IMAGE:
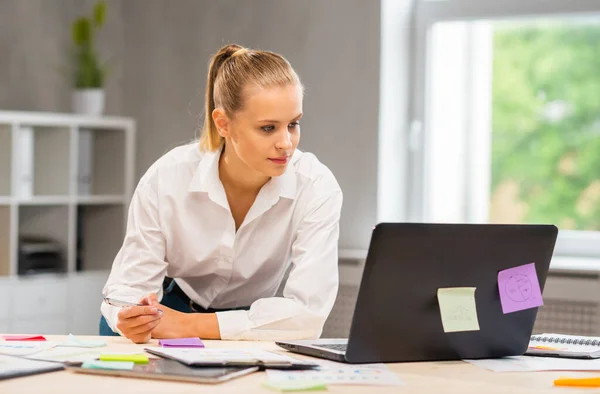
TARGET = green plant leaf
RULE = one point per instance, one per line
(87, 71)
(99, 13)
(81, 31)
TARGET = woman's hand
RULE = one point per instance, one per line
(137, 322)
(173, 324)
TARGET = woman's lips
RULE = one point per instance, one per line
(280, 160)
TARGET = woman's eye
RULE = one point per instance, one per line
(268, 128)
(293, 125)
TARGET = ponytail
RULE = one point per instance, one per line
(210, 139)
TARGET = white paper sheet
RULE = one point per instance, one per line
(337, 373)
(24, 348)
(66, 354)
(530, 364)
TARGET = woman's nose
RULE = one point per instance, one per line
(284, 142)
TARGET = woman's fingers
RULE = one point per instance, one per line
(133, 311)
(143, 325)
(138, 320)
(150, 299)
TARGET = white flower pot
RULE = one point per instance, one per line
(88, 102)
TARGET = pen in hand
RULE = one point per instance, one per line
(124, 304)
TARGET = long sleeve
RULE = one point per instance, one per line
(139, 267)
(311, 288)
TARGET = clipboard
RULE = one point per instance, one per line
(215, 357)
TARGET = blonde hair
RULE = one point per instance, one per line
(233, 69)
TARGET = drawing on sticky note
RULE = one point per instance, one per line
(461, 314)
(458, 309)
(519, 288)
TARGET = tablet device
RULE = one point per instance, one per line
(164, 369)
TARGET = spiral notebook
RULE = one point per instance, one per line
(559, 345)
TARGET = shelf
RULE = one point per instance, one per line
(64, 200)
(5, 160)
(51, 161)
(100, 233)
(101, 161)
(49, 222)
(44, 200)
(5, 240)
(64, 120)
(101, 200)
(65, 183)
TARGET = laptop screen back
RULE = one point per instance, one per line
(397, 315)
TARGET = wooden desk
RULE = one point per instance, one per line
(433, 377)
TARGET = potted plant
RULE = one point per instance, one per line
(87, 73)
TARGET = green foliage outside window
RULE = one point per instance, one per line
(546, 124)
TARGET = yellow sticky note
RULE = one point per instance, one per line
(136, 358)
(458, 309)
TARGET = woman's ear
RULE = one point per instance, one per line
(221, 121)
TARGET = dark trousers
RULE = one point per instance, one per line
(174, 298)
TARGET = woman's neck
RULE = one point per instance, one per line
(237, 177)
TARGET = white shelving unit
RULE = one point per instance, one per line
(55, 207)
(87, 222)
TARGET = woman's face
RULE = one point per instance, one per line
(265, 133)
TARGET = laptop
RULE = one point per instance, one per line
(397, 315)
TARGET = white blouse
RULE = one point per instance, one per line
(180, 225)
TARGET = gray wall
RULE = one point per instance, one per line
(160, 51)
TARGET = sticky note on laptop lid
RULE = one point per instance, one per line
(181, 342)
(458, 309)
(519, 288)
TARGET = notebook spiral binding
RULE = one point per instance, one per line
(568, 341)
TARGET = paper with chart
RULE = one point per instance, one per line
(531, 364)
(336, 373)
(519, 288)
(72, 350)
(24, 348)
(458, 309)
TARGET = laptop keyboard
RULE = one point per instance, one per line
(341, 347)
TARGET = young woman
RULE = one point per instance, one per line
(213, 228)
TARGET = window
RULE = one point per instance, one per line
(546, 123)
(511, 114)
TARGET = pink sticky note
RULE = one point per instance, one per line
(23, 338)
(519, 288)
(181, 342)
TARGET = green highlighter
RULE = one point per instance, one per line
(136, 358)
(295, 385)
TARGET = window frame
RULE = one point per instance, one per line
(427, 14)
